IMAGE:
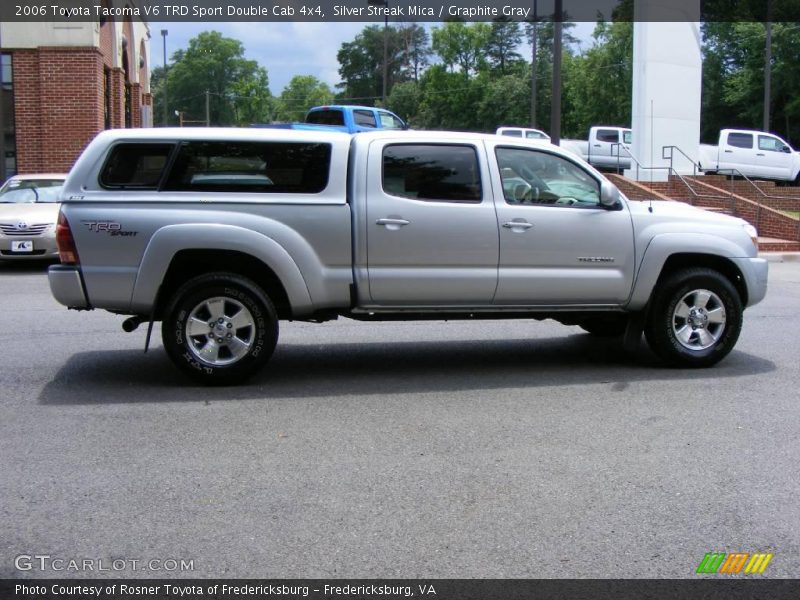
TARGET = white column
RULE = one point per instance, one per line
(667, 84)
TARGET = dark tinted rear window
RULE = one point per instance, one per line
(326, 117)
(432, 172)
(135, 166)
(271, 167)
(364, 118)
(740, 140)
(607, 135)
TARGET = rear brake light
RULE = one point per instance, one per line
(67, 251)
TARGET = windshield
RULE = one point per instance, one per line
(28, 191)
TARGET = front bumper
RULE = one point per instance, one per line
(66, 286)
(755, 272)
(42, 248)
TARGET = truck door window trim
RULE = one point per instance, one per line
(740, 140)
(525, 193)
(432, 185)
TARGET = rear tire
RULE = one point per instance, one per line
(695, 318)
(220, 328)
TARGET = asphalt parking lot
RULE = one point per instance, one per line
(469, 450)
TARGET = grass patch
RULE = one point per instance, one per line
(792, 213)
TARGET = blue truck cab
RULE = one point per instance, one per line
(354, 118)
(346, 118)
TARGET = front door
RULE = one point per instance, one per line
(558, 245)
(431, 228)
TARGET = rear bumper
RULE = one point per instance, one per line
(67, 287)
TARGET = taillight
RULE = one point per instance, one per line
(67, 251)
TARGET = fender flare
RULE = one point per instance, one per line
(665, 245)
(171, 239)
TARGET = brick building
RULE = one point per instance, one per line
(65, 82)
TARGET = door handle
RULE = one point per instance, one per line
(392, 223)
(759, 154)
(522, 225)
(729, 151)
(597, 146)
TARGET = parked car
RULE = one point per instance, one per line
(389, 225)
(607, 147)
(751, 153)
(28, 214)
(523, 132)
(344, 117)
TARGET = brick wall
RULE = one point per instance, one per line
(58, 105)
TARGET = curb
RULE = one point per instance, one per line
(779, 257)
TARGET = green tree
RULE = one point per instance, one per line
(603, 78)
(238, 88)
(504, 39)
(302, 92)
(361, 64)
(462, 45)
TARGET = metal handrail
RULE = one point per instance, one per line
(671, 153)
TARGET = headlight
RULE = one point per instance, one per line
(752, 232)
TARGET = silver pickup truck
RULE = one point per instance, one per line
(221, 233)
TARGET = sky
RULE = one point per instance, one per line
(284, 49)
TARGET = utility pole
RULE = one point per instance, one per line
(534, 42)
(768, 68)
(164, 33)
(555, 107)
(208, 109)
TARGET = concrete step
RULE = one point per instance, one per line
(768, 244)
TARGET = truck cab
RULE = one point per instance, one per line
(752, 154)
(354, 119)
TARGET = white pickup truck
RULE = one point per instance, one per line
(221, 233)
(607, 148)
(751, 153)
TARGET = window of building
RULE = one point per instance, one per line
(8, 141)
(535, 177)
(740, 140)
(263, 167)
(135, 166)
(443, 172)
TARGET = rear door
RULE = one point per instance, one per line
(737, 152)
(431, 227)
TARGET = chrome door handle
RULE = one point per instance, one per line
(390, 222)
(518, 225)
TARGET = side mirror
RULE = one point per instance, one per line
(787, 149)
(609, 195)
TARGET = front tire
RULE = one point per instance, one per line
(220, 328)
(695, 319)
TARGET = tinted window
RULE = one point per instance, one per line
(767, 142)
(432, 172)
(364, 118)
(740, 140)
(512, 133)
(326, 117)
(535, 177)
(272, 167)
(137, 166)
(627, 137)
(535, 135)
(607, 135)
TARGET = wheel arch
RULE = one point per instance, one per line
(667, 252)
(175, 254)
(189, 263)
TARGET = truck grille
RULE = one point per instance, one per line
(11, 229)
